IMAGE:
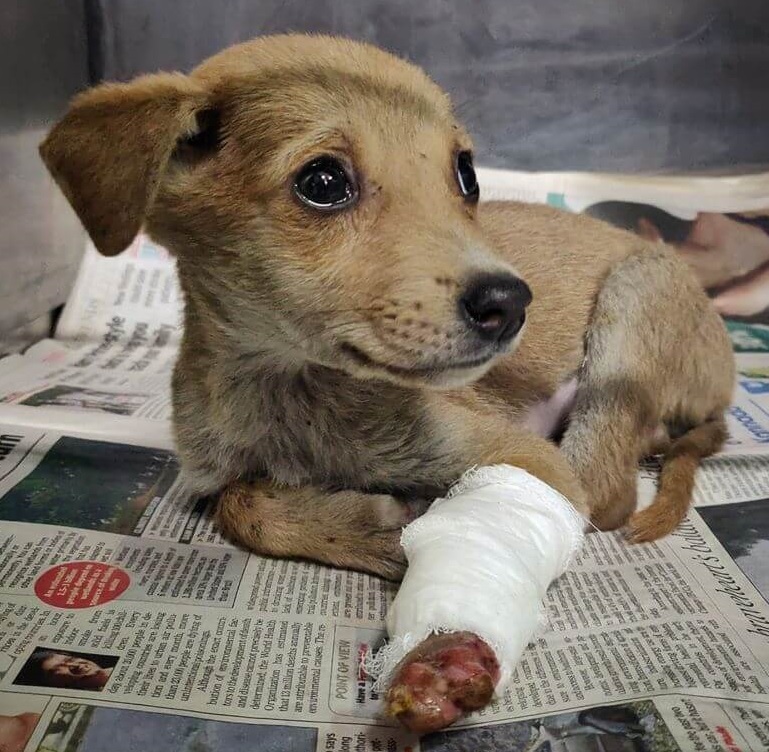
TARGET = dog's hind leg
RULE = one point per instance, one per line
(656, 355)
(603, 443)
(676, 482)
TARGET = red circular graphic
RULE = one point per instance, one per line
(81, 584)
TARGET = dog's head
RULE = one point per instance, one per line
(321, 201)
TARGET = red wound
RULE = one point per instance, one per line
(445, 677)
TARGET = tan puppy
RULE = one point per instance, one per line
(351, 312)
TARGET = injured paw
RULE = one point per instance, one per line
(446, 676)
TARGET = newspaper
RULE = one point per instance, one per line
(127, 622)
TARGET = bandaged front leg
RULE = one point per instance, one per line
(480, 562)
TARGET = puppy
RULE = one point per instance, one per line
(359, 331)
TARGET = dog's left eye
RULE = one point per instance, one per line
(324, 184)
(468, 183)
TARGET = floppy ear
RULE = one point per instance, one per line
(110, 150)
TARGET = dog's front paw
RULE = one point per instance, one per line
(381, 523)
(380, 553)
(376, 551)
(374, 545)
(347, 529)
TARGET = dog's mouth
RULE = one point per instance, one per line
(426, 371)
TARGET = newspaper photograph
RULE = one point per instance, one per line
(129, 623)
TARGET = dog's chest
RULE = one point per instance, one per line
(312, 429)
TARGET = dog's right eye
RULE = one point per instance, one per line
(324, 184)
(468, 182)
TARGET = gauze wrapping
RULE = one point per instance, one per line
(481, 560)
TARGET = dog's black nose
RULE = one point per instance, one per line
(494, 305)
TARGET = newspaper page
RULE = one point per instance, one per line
(124, 612)
(115, 344)
(127, 622)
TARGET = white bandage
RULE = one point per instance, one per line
(481, 560)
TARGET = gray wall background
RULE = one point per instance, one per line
(636, 85)
(43, 61)
(544, 84)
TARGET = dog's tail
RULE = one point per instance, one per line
(676, 483)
